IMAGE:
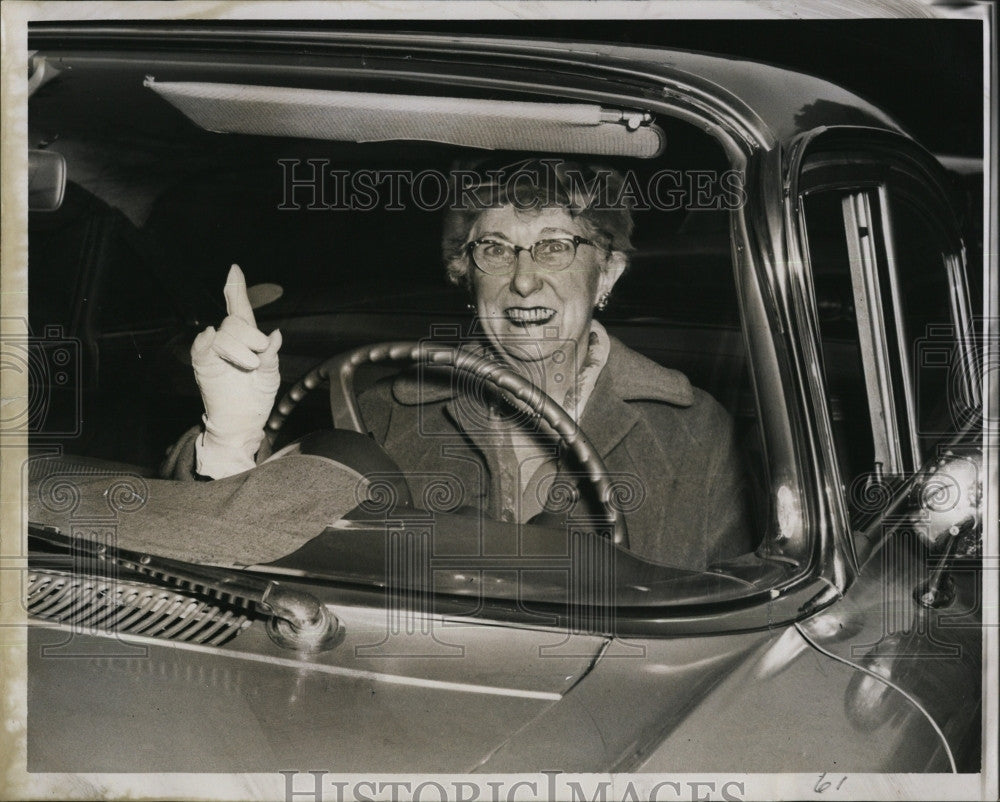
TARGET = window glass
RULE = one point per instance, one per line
(930, 333)
(886, 305)
(372, 270)
(842, 363)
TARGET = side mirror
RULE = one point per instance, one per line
(46, 180)
(948, 499)
(948, 519)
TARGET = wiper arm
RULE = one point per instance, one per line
(300, 621)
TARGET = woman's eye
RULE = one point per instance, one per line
(553, 247)
(495, 250)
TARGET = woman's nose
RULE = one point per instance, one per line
(525, 279)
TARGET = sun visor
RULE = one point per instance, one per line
(374, 117)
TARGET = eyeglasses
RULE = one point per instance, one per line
(552, 255)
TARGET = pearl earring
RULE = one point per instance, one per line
(602, 302)
(471, 307)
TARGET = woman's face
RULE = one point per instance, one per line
(534, 315)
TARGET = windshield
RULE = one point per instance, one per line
(626, 264)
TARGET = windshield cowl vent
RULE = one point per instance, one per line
(116, 606)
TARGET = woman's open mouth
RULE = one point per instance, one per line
(529, 315)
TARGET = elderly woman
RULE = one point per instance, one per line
(537, 257)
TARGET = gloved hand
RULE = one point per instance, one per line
(236, 369)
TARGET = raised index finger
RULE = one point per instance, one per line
(237, 302)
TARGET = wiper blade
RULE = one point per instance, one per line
(300, 620)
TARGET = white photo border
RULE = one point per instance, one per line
(16, 783)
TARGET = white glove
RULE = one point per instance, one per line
(236, 369)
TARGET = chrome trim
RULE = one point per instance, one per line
(888, 238)
(833, 489)
(966, 335)
(917, 162)
(806, 453)
(872, 335)
(763, 293)
(323, 668)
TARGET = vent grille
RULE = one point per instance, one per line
(124, 606)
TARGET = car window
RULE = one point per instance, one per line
(94, 270)
(931, 296)
(886, 296)
(844, 367)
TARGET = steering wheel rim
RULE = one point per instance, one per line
(339, 371)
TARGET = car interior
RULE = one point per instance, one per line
(171, 182)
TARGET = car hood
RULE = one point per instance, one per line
(395, 694)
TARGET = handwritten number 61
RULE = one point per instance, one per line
(822, 785)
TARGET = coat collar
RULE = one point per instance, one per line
(629, 377)
(608, 417)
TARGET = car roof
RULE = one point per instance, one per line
(786, 102)
(774, 103)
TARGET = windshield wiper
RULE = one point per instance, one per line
(299, 620)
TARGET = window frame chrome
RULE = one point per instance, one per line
(871, 160)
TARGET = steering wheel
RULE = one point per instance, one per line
(339, 371)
